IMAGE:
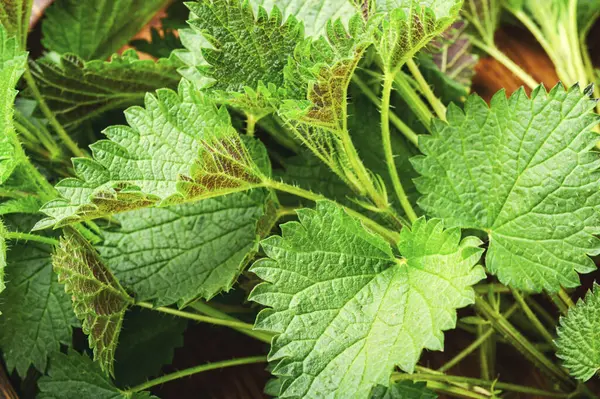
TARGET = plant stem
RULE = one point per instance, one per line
(195, 370)
(390, 235)
(396, 121)
(543, 313)
(562, 294)
(458, 392)
(433, 100)
(408, 93)
(60, 130)
(560, 304)
(495, 288)
(250, 125)
(477, 381)
(493, 51)
(388, 80)
(533, 318)
(212, 312)
(14, 235)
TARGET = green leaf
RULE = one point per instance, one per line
(147, 343)
(76, 376)
(588, 12)
(407, 26)
(578, 341)
(12, 66)
(77, 91)
(180, 148)
(3, 249)
(96, 29)
(347, 311)
(37, 314)
(522, 172)
(403, 390)
(14, 16)
(99, 300)
(184, 252)
(315, 14)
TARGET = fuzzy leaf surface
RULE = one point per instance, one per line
(77, 376)
(520, 170)
(578, 341)
(96, 29)
(180, 148)
(179, 253)
(76, 90)
(346, 311)
(99, 301)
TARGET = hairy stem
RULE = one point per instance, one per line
(433, 100)
(195, 370)
(14, 235)
(412, 98)
(388, 80)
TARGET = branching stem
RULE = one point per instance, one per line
(14, 235)
(433, 100)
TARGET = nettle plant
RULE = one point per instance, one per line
(324, 159)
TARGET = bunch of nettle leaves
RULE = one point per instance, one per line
(323, 157)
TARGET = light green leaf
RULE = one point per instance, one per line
(37, 317)
(76, 376)
(184, 252)
(14, 15)
(407, 26)
(578, 341)
(77, 91)
(347, 311)
(315, 14)
(96, 29)
(180, 148)
(12, 66)
(403, 390)
(522, 172)
(99, 300)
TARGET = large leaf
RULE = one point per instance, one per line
(183, 252)
(12, 66)
(37, 315)
(76, 376)
(346, 311)
(522, 172)
(14, 16)
(578, 341)
(95, 29)
(77, 91)
(99, 301)
(180, 148)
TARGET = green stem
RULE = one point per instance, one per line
(495, 288)
(412, 98)
(575, 46)
(493, 51)
(388, 81)
(539, 309)
(458, 392)
(60, 130)
(13, 235)
(560, 304)
(195, 370)
(476, 381)
(212, 312)
(562, 294)
(250, 125)
(396, 121)
(433, 100)
(533, 318)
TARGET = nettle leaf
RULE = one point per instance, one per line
(403, 390)
(522, 171)
(244, 55)
(578, 341)
(99, 301)
(184, 252)
(588, 12)
(96, 29)
(75, 375)
(347, 311)
(37, 317)
(180, 148)
(12, 65)
(315, 14)
(407, 26)
(76, 90)
(14, 16)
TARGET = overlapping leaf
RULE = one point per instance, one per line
(180, 148)
(578, 341)
(347, 311)
(521, 171)
(99, 301)
(94, 30)
(77, 91)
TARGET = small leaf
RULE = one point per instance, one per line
(99, 301)
(77, 91)
(347, 311)
(403, 390)
(522, 172)
(578, 341)
(76, 376)
(96, 29)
